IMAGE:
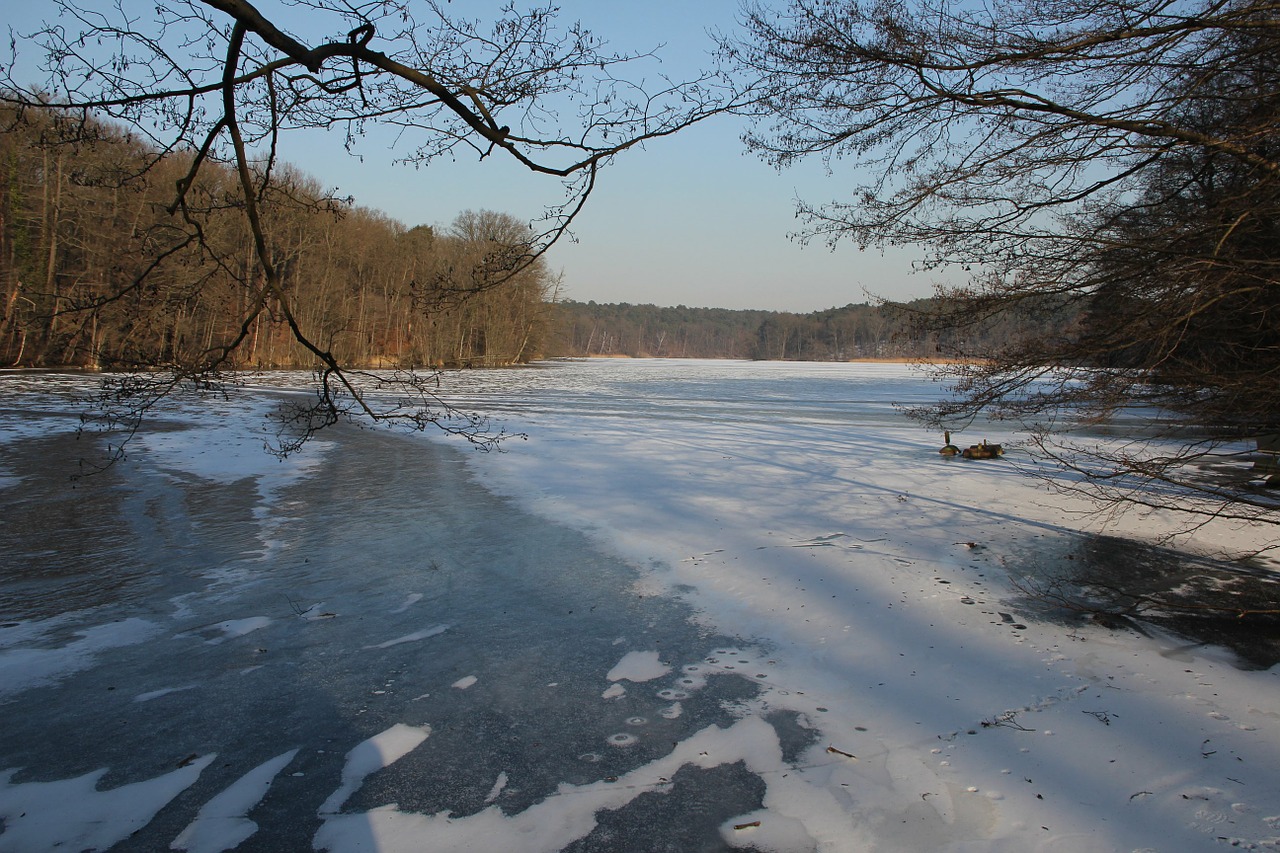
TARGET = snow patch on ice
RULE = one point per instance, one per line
(223, 823)
(73, 814)
(231, 448)
(24, 668)
(496, 790)
(411, 638)
(227, 451)
(637, 667)
(164, 691)
(465, 682)
(766, 831)
(20, 430)
(410, 600)
(182, 609)
(233, 628)
(614, 691)
(369, 756)
(801, 811)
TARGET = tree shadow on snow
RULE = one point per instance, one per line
(1121, 583)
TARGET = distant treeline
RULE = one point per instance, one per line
(98, 268)
(836, 334)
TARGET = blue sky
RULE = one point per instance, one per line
(691, 219)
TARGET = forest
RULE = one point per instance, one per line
(99, 269)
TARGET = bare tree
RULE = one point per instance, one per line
(1110, 171)
(222, 82)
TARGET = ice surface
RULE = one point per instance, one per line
(727, 604)
(791, 502)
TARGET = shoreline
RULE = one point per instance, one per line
(862, 360)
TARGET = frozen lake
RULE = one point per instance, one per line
(704, 606)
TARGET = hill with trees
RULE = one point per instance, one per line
(94, 272)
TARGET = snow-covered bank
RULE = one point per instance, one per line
(788, 626)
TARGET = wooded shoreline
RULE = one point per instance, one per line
(99, 271)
